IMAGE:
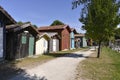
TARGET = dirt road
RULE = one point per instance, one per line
(62, 68)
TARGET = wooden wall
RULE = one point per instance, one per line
(65, 40)
(16, 47)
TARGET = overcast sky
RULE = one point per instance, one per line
(43, 12)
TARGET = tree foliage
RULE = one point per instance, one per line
(100, 18)
(57, 22)
(20, 22)
(35, 26)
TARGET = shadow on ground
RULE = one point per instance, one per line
(57, 54)
(74, 55)
(71, 55)
(25, 76)
(8, 71)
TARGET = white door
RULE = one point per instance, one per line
(45, 46)
(54, 44)
(1, 42)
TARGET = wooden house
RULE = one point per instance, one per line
(42, 44)
(64, 33)
(80, 40)
(72, 38)
(47, 43)
(20, 40)
(54, 42)
(5, 19)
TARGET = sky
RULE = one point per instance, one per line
(43, 12)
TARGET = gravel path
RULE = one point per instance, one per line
(62, 68)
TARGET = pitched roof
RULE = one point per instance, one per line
(5, 13)
(51, 34)
(44, 35)
(52, 27)
(79, 35)
(17, 27)
(12, 26)
(74, 30)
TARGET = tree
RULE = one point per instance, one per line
(100, 19)
(35, 26)
(20, 22)
(57, 22)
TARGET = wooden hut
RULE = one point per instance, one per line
(5, 19)
(72, 38)
(42, 44)
(54, 42)
(20, 40)
(80, 40)
(63, 31)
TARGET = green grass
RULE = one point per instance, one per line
(107, 67)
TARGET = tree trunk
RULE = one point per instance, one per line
(99, 49)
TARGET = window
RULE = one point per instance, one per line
(24, 40)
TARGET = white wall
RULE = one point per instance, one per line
(1, 42)
(41, 46)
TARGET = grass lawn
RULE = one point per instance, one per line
(107, 67)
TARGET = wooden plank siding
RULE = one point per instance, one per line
(65, 40)
(15, 48)
(64, 33)
(18, 38)
(5, 19)
(80, 40)
(51, 44)
(72, 38)
(42, 44)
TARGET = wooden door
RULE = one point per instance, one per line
(31, 46)
(23, 46)
(54, 45)
(72, 43)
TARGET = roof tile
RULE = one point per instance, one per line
(52, 27)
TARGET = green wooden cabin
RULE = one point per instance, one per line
(80, 40)
(20, 40)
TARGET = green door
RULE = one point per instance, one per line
(31, 46)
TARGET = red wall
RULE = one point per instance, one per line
(65, 39)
